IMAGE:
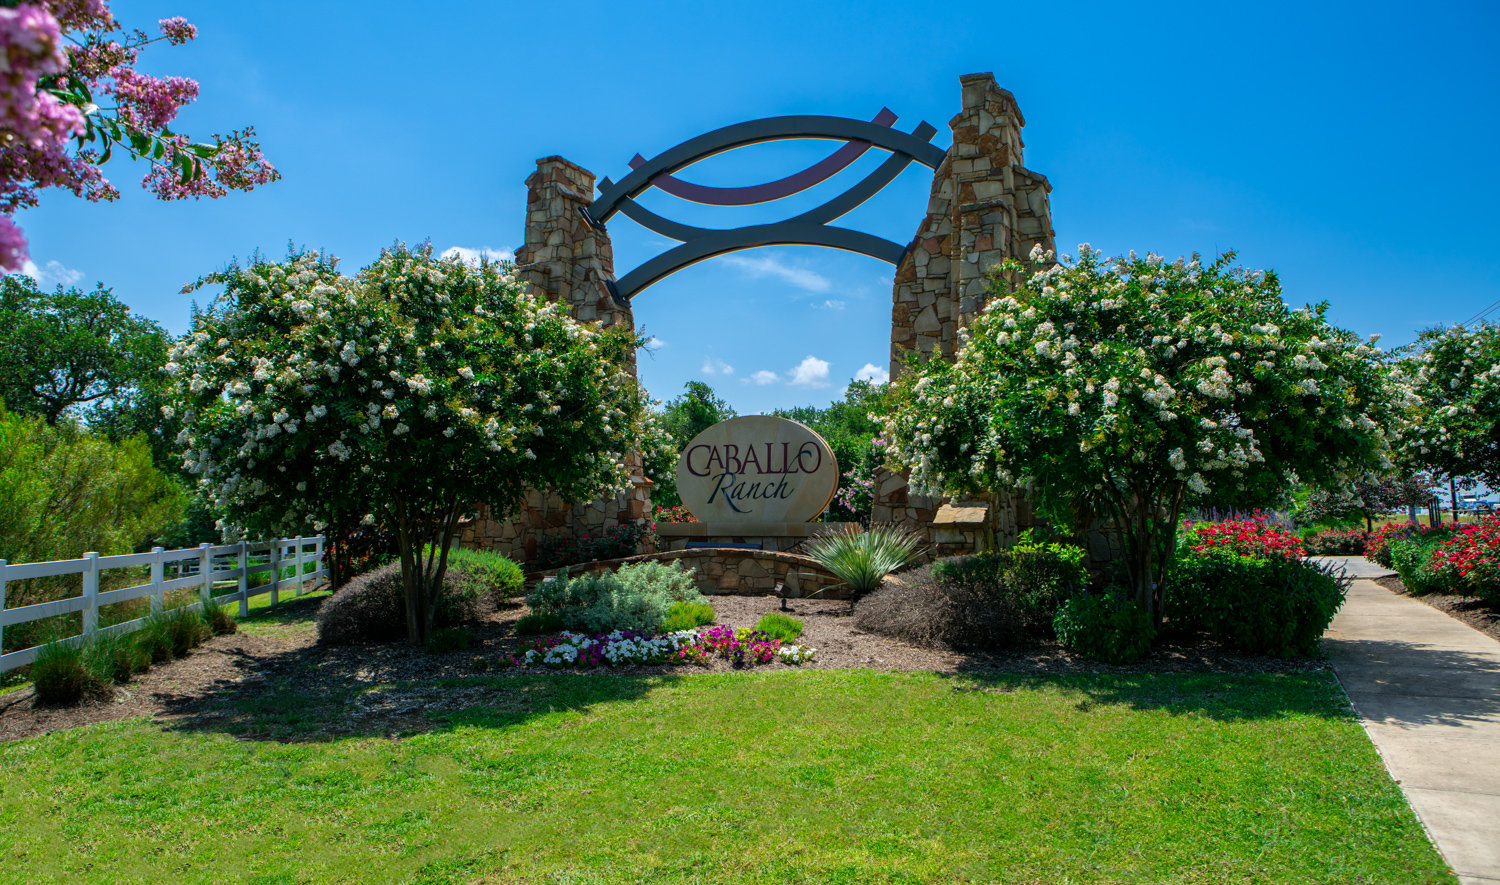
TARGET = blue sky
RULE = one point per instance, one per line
(1351, 147)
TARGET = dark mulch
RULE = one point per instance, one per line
(1470, 609)
(392, 689)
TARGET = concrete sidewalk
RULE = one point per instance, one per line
(1427, 690)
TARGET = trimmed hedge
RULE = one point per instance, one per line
(1257, 605)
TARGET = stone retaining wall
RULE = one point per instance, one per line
(727, 570)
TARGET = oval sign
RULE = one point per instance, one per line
(758, 468)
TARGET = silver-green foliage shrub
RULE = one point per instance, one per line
(635, 598)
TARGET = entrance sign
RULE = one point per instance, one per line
(757, 469)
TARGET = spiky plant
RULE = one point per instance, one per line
(861, 558)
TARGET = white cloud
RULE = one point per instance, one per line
(772, 265)
(653, 344)
(51, 276)
(872, 372)
(763, 377)
(472, 256)
(811, 372)
(714, 366)
(832, 304)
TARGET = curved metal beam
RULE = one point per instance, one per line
(796, 183)
(785, 233)
(756, 132)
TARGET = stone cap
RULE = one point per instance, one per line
(985, 82)
(950, 515)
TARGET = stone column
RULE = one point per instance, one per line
(984, 207)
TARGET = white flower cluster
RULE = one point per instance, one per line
(795, 654)
(616, 648)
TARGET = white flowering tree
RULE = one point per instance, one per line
(404, 396)
(1455, 373)
(1132, 388)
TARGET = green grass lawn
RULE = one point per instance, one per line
(816, 776)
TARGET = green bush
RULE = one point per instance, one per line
(503, 576)
(1272, 605)
(372, 607)
(449, 639)
(687, 616)
(220, 622)
(1036, 576)
(635, 598)
(1412, 560)
(537, 623)
(60, 675)
(155, 638)
(861, 558)
(779, 626)
(1106, 626)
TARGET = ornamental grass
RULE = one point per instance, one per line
(861, 558)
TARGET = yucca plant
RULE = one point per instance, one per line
(861, 558)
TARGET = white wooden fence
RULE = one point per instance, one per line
(197, 567)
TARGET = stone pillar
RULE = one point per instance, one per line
(566, 259)
(984, 207)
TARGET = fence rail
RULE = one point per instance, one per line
(201, 567)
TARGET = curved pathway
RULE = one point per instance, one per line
(1427, 690)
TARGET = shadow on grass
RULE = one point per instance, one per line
(1404, 683)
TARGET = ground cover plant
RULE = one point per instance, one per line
(789, 777)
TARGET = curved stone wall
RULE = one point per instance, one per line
(732, 570)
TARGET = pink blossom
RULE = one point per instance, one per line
(150, 102)
(13, 253)
(177, 30)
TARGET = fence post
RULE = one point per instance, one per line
(299, 566)
(275, 571)
(243, 559)
(205, 574)
(90, 594)
(2, 606)
(318, 562)
(157, 576)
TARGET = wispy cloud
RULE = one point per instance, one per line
(872, 372)
(714, 366)
(472, 255)
(52, 274)
(832, 304)
(811, 372)
(772, 265)
(763, 377)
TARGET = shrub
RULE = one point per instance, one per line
(614, 542)
(634, 599)
(1255, 536)
(1258, 605)
(687, 616)
(113, 657)
(155, 638)
(537, 623)
(1106, 626)
(1378, 547)
(988, 600)
(501, 573)
(220, 622)
(1412, 560)
(779, 626)
(1469, 561)
(372, 607)
(449, 639)
(1337, 542)
(861, 558)
(60, 676)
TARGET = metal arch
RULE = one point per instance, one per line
(755, 132)
(837, 207)
(782, 233)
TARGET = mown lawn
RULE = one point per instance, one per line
(817, 776)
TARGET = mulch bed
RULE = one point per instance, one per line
(392, 689)
(1471, 610)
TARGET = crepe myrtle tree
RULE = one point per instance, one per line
(1455, 373)
(403, 396)
(1132, 388)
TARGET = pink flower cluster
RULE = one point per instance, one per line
(1250, 537)
(32, 45)
(177, 29)
(148, 102)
